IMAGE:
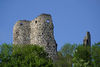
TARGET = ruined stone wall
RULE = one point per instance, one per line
(42, 33)
(38, 31)
(21, 32)
(87, 39)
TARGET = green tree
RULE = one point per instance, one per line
(96, 54)
(65, 55)
(67, 52)
(82, 57)
(61, 61)
(5, 53)
(27, 56)
(68, 49)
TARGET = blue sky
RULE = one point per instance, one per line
(71, 18)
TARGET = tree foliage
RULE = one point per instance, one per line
(24, 56)
(65, 55)
(87, 56)
(61, 61)
(82, 57)
(68, 49)
(96, 54)
(35, 56)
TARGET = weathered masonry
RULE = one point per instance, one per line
(38, 31)
(87, 39)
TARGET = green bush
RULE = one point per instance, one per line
(82, 57)
(24, 56)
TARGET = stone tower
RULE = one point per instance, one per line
(38, 31)
(87, 39)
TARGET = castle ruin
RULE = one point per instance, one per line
(38, 31)
(87, 39)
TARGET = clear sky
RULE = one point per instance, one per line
(71, 18)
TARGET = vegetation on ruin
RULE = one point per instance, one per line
(35, 56)
(72, 55)
(24, 56)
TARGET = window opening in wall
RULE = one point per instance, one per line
(35, 21)
(42, 33)
(21, 24)
(47, 20)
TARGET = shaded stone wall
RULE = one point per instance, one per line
(87, 39)
(38, 31)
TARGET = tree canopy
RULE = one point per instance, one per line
(24, 56)
(35, 56)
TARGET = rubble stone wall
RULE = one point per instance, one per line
(87, 39)
(38, 31)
